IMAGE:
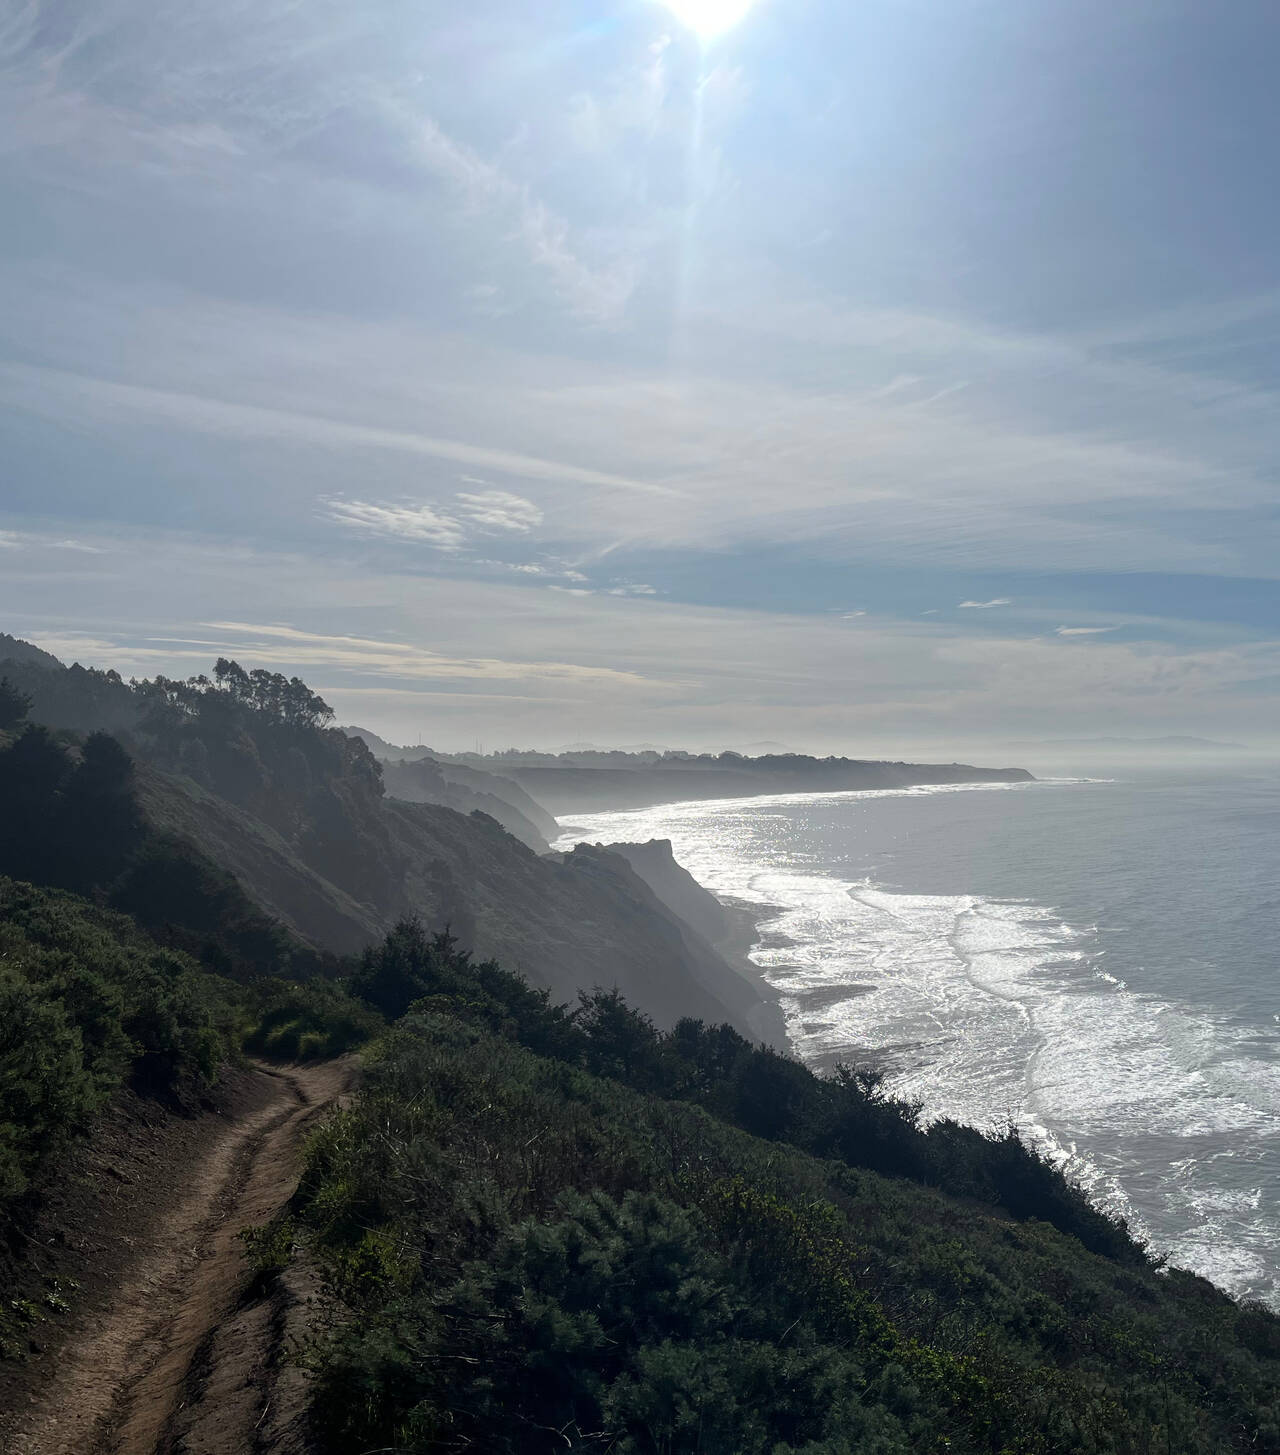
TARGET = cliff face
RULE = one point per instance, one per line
(567, 922)
(297, 814)
(720, 971)
(418, 775)
(655, 863)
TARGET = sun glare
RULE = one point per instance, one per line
(709, 18)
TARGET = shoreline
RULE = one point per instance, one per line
(1122, 1141)
(766, 1020)
(769, 1021)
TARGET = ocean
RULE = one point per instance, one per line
(1098, 959)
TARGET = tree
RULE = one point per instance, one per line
(622, 1043)
(14, 706)
(102, 822)
(402, 969)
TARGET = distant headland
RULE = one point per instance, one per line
(596, 780)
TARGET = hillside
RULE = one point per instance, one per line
(13, 649)
(244, 767)
(532, 1231)
(590, 1237)
(587, 779)
(626, 1226)
(424, 780)
(421, 775)
(90, 1003)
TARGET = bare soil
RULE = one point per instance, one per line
(171, 1352)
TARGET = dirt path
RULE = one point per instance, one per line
(178, 1361)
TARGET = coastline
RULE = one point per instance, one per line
(742, 919)
(769, 1022)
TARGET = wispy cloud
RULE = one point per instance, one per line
(1082, 631)
(598, 294)
(545, 568)
(55, 392)
(499, 510)
(401, 658)
(15, 540)
(280, 644)
(448, 527)
(403, 522)
(986, 605)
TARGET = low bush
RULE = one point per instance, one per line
(311, 1021)
(88, 1003)
(848, 1115)
(527, 1257)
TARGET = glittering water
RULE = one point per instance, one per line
(1096, 958)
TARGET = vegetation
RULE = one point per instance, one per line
(122, 968)
(570, 1247)
(311, 1021)
(89, 1003)
(541, 1228)
(256, 738)
(73, 820)
(848, 1116)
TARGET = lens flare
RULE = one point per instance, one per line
(709, 18)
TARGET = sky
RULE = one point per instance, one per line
(862, 375)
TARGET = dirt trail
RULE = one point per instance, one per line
(179, 1362)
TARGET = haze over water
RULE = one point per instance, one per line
(1096, 958)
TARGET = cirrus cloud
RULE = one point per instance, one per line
(446, 527)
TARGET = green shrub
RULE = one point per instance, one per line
(314, 1021)
(268, 1247)
(88, 1003)
(47, 1091)
(526, 1257)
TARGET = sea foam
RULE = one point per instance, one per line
(992, 1009)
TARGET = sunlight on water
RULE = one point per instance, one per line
(991, 1007)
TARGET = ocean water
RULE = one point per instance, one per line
(1097, 958)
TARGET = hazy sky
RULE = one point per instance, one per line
(870, 372)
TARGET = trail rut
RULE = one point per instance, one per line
(179, 1361)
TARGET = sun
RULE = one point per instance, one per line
(709, 18)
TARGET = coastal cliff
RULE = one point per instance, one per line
(569, 1152)
(298, 815)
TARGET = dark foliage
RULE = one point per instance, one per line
(410, 965)
(848, 1116)
(313, 1020)
(14, 705)
(88, 1003)
(72, 820)
(530, 1258)
(256, 738)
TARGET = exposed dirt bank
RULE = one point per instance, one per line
(171, 1356)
